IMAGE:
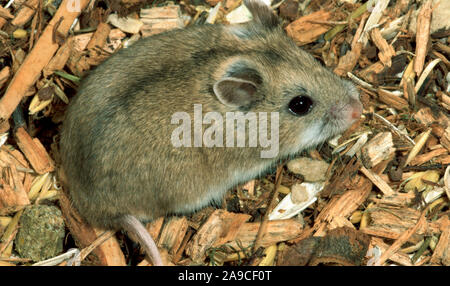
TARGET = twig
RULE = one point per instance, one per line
(185, 241)
(358, 12)
(328, 22)
(15, 259)
(33, 28)
(102, 238)
(395, 129)
(401, 240)
(361, 82)
(69, 255)
(377, 181)
(424, 167)
(5, 244)
(274, 195)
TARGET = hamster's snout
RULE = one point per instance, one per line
(356, 109)
(348, 112)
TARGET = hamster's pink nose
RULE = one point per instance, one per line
(349, 112)
(356, 109)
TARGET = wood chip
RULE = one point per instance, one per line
(371, 72)
(386, 50)
(4, 13)
(427, 157)
(391, 222)
(221, 227)
(276, 231)
(25, 13)
(4, 75)
(173, 233)
(442, 251)
(12, 191)
(444, 160)
(409, 92)
(341, 206)
(154, 227)
(377, 181)
(348, 61)
(304, 30)
(428, 117)
(422, 35)
(445, 139)
(398, 257)
(396, 199)
(34, 152)
(392, 100)
(377, 149)
(126, 24)
(400, 241)
(60, 59)
(98, 39)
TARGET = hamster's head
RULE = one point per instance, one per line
(272, 74)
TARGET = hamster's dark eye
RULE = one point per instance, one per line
(300, 105)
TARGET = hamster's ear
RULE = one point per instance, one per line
(262, 13)
(238, 83)
(235, 92)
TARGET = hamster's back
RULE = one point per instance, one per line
(112, 133)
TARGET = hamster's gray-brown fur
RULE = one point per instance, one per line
(116, 140)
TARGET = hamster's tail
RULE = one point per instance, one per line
(132, 225)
